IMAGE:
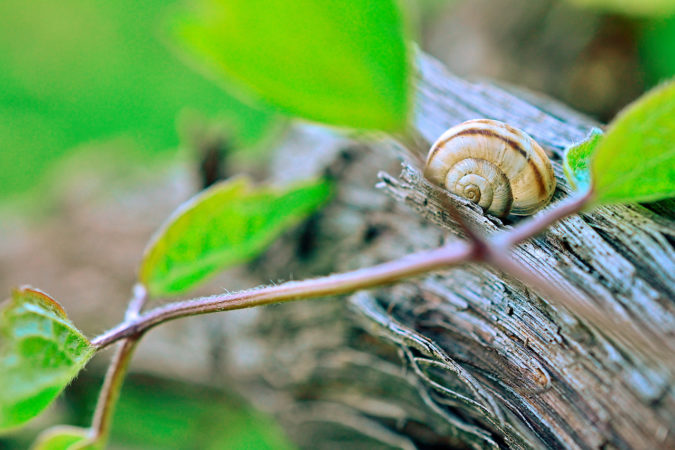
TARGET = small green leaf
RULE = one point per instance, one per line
(342, 63)
(224, 225)
(635, 160)
(40, 353)
(577, 161)
(61, 437)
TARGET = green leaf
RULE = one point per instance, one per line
(227, 224)
(61, 437)
(577, 161)
(342, 63)
(40, 353)
(641, 8)
(635, 160)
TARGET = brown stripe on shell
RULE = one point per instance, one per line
(478, 131)
(491, 122)
(541, 187)
(513, 130)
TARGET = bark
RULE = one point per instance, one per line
(469, 357)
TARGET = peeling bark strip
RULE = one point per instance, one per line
(467, 358)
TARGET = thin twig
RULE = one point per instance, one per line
(107, 400)
(114, 377)
(478, 249)
(540, 222)
(140, 295)
(342, 283)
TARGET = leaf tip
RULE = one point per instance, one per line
(28, 293)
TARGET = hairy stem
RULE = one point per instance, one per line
(112, 385)
(342, 283)
(412, 265)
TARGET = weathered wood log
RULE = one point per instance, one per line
(469, 357)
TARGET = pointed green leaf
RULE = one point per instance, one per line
(635, 160)
(61, 437)
(40, 353)
(342, 63)
(577, 161)
(224, 225)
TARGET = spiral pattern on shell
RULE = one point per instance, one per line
(490, 163)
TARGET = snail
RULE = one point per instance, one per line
(490, 163)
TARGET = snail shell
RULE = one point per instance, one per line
(490, 163)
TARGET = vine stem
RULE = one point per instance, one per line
(477, 250)
(341, 283)
(114, 377)
(542, 221)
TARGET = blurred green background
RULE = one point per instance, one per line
(81, 78)
(77, 72)
(157, 414)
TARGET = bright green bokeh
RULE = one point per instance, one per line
(336, 62)
(160, 414)
(183, 416)
(639, 8)
(657, 49)
(227, 224)
(40, 353)
(73, 71)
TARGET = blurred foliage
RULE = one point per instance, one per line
(341, 63)
(76, 71)
(657, 49)
(158, 414)
(646, 8)
(186, 417)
